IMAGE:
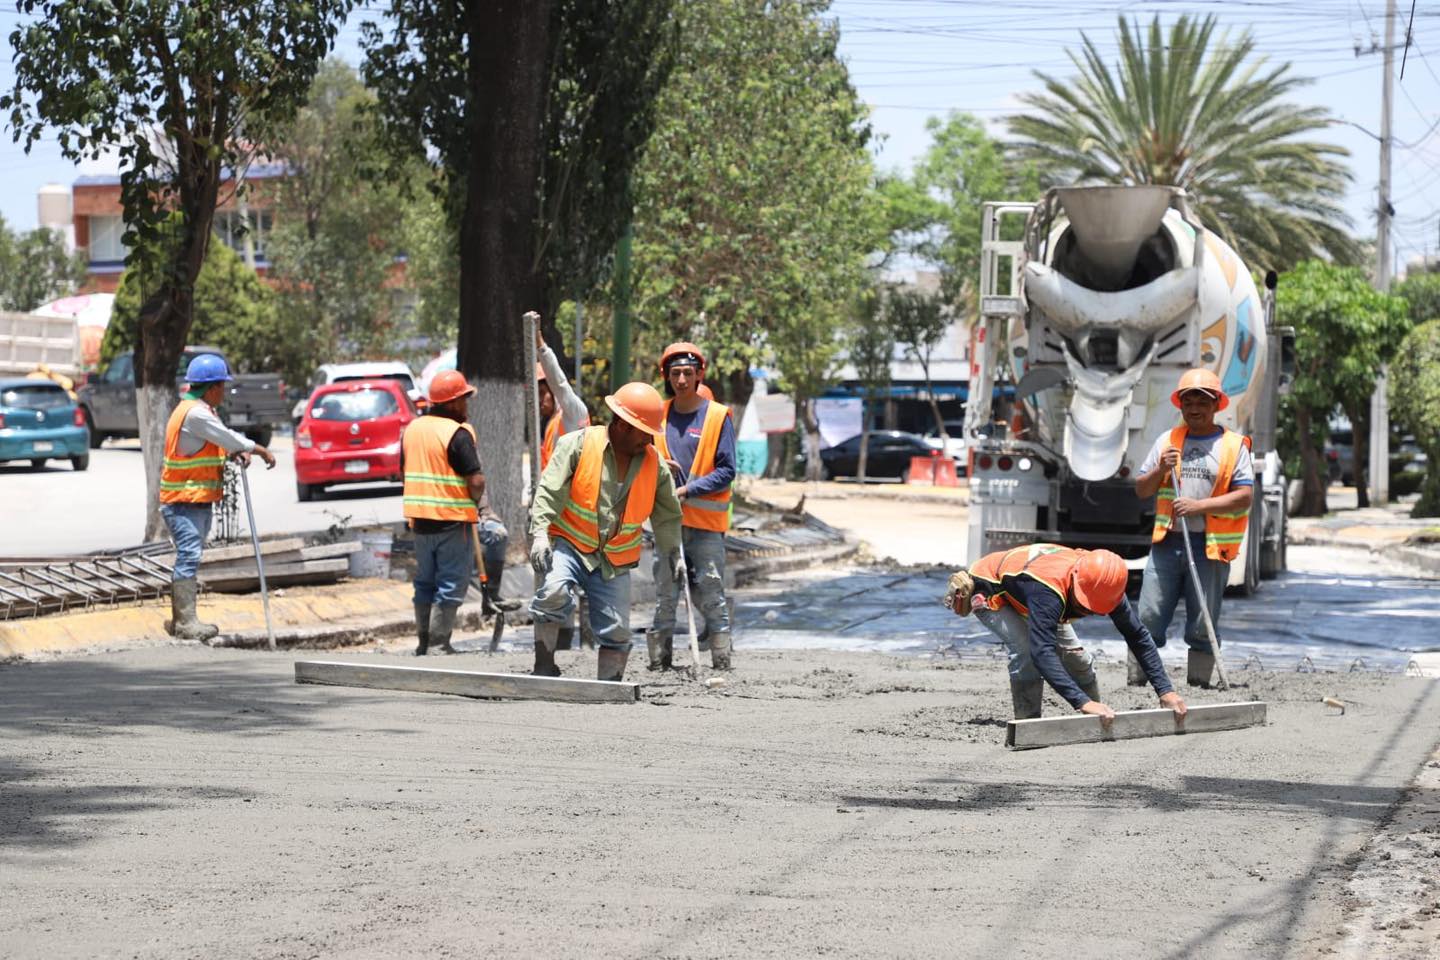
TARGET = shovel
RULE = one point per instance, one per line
(1223, 683)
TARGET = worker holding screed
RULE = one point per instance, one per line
(1213, 505)
(192, 478)
(600, 487)
(1028, 596)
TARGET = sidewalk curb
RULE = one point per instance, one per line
(1419, 557)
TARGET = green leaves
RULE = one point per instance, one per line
(1415, 399)
(35, 268)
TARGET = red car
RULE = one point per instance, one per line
(350, 433)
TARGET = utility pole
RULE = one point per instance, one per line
(1379, 401)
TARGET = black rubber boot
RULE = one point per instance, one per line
(1026, 698)
(611, 664)
(545, 637)
(494, 603)
(720, 650)
(442, 625)
(1198, 668)
(422, 628)
(1134, 673)
(184, 624)
(661, 648)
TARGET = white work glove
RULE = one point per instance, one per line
(541, 554)
(677, 566)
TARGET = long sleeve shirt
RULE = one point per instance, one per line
(202, 425)
(1047, 611)
(573, 412)
(554, 490)
(682, 436)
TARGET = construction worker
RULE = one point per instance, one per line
(602, 484)
(191, 479)
(697, 441)
(444, 493)
(1028, 596)
(1216, 486)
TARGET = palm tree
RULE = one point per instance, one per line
(1199, 112)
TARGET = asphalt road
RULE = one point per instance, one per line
(56, 510)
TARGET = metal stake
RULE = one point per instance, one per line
(259, 562)
(1224, 684)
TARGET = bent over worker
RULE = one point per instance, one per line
(444, 490)
(697, 441)
(1213, 508)
(191, 479)
(601, 486)
(1028, 597)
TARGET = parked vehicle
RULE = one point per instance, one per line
(39, 422)
(377, 370)
(27, 340)
(955, 449)
(349, 432)
(889, 455)
(254, 402)
(1342, 466)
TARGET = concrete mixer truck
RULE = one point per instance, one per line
(1093, 302)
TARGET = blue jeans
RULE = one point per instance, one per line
(494, 539)
(609, 599)
(1167, 579)
(444, 562)
(1014, 631)
(705, 555)
(189, 525)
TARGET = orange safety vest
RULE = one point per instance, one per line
(433, 490)
(706, 511)
(553, 431)
(578, 521)
(1046, 563)
(1224, 532)
(193, 479)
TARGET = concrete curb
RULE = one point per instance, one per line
(1423, 558)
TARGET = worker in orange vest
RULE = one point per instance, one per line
(191, 479)
(1029, 595)
(600, 487)
(697, 441)
(444, 494)
(1217, 483)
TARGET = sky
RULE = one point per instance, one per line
(914, 59)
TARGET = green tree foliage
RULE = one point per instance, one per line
(35, 268)
(1343, 327)
(1421, 291)
(1415, 398)
(234, 310)
(1199, 111)
(755, 202)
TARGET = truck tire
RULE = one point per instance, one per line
(1272, 555)
(260, 435)
(1253, 548)
(96, 437)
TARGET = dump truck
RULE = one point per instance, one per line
(1092, 303)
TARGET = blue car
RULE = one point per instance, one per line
(39, 422)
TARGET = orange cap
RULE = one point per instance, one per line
(639, 405)
(704, 392)
(1204, 381)
(679, 350)
(1099, 580)
(449, 385)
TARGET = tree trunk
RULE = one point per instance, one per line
(1359, 415)
(812, 441)
(1312, 466)
(864, 441)
(934, 405)
(508, 74)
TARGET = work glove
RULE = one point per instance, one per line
(677, 566)
(541, 554)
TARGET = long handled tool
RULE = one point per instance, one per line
(484, 584)
(532, 400)
(259, 561)
(1223, 684)
(690, 615)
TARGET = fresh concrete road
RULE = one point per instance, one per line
(56, 510)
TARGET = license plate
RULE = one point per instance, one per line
(42, 446)
(357, 466)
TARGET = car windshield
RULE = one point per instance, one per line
(401, 378)
(41, 396)
(351, 406)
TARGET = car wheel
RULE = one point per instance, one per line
(96, 437)
(38, 464)
(260, 435)
(303, 491)
(81, 462)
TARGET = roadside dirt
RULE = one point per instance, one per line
(180, 802)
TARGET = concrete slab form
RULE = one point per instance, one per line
(1131, 725)
(464, 683)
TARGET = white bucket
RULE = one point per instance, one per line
(373, 557)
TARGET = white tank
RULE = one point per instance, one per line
(56, 211)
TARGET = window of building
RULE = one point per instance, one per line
(105, 234)
(231, 228)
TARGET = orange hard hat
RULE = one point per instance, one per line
(639, 405)
(1206, 382)
(682, 350)
(1099, 580)
(704, 392)
(449, 385)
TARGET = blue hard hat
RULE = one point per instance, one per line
(207, 368)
